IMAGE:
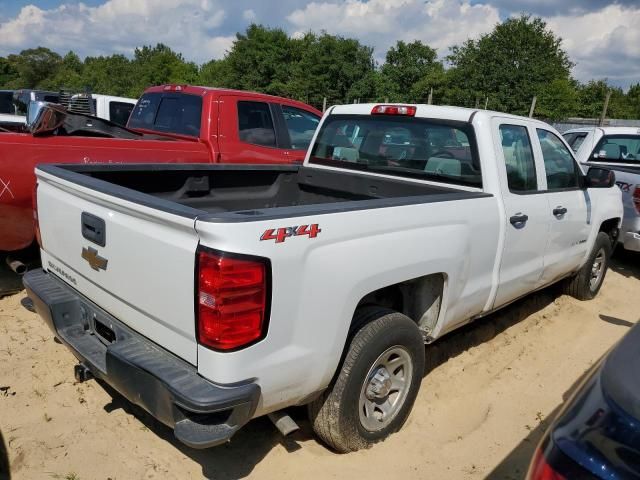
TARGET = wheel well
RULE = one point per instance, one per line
(610, 227)
(420, 299)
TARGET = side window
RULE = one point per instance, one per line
(560, 168)
(255, 124)
(119, 112)
(619, 148)
(301, 126)
(518, 158)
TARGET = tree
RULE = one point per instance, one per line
(405, 65)
(111, 75)
(511, 64)
(557, 100)
(158, 65)
(34, 67)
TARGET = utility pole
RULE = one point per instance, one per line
(486, 102)
(324, 104)
(604, 109)
(533, 106)
(430, 99)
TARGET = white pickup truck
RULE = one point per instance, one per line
(213, 294)
(617, 148)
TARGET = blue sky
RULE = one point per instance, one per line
(602, 37)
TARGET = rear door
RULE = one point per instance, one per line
(567, 207)
(527, 220)
(249, 132)
(134, 261)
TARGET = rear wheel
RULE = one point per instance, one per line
(586, 283)
(377, 384)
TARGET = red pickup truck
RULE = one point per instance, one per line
(170, 123)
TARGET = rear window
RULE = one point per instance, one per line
(575, 139)
(168, 113)
(119, 112)
(618, 148)
(436, 150)
(6, 102)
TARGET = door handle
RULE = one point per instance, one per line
(559, 211)
(518, 220)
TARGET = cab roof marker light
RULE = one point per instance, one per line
(404, 110)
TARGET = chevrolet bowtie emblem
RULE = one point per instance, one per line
(96, 261)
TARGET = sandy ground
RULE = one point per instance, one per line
(490, 391)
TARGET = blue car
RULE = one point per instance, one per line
(597, 433)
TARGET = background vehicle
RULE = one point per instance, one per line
(176, 124)
(115, 109)
(210, 295)
(617, 148)
(595, 435)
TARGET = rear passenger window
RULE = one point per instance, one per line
(560, 168)
(255, 124)
(619, 148)
(518, 158)
(575, 140)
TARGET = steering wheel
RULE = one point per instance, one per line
(442, 154)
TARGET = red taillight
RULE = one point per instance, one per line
(541, 470)
(232, 300)
(36, 223)
(406, 110)
(636, 199)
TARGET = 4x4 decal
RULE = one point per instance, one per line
(281, 234)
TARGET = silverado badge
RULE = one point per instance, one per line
(96, 261)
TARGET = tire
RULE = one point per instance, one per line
(586, 283)
(382, 370)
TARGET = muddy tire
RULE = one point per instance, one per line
(586, 283)
(377, 384)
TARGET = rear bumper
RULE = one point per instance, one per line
(202, 414)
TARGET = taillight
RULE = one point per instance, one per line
(541, 470)
(636, 199)
(232, 300)
(406, 110)
(36, 223)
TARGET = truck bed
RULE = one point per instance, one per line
(251, 192)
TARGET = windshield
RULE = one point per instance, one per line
(404, 146)
(168, 113)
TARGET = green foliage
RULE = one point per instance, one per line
(511, 64)
(505, 68)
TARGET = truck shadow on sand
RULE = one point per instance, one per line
(238, 458)
(626, 263)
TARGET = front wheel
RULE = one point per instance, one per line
(586, 283)
(377, 385)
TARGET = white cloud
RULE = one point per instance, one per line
(188, 26)
(249, 15)
(380, 23)
(603, 43)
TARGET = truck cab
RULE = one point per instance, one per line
(617, 148)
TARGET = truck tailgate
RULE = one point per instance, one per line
(141, 270)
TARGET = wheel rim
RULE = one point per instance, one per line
(385, 388)
(597, 270)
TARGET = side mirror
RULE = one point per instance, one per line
(33, 110)
(600, 178)
(44, 117)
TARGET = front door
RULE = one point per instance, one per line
(567, 208)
